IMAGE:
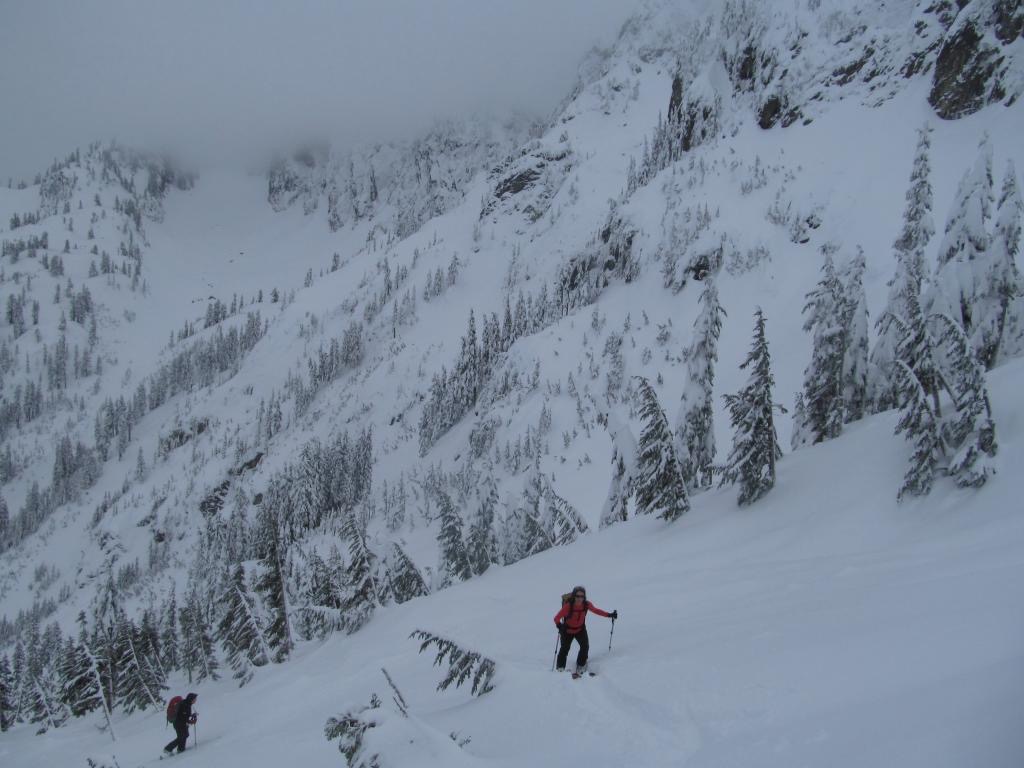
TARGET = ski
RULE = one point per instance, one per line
(169, 756)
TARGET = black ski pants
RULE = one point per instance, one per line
(180, 740)
(581, 657)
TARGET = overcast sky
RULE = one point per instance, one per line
(212, 76)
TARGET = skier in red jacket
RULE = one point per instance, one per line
(571, 623)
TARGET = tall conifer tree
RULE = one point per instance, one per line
(363, 594)
(240, 630)
(964, 250)
(481, 544)
(854, 379)
(755, 444)
(695, 429)
(909, 248)
(972, 431)
(659, 480)
(824, 411)
(455, 564)
(273, 589)
(999, 315)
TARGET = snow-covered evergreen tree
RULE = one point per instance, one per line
(695, 430)
(659, 481)
(103, 646)
(999, 314)
(140, 467)
(195, 648)
(273, 589)
(169, 635)
(523, 532)
(918, 420)
(918, 229)
(5, 517)
(307, 488)
(20, 675)
(45, 707)
(824, 410)
(65, 671)
(467, 368)
(755, 443)
(236, 545)
(149, 637)
(6, 694)
(455, 565)
(615, 366)
(854, 378)
(964, 251)
(79, 687)
(481, 543)
(361, 468)
(971, 433)
(918, 398)
(562, 522)
(323, 595)
(240, 630)
(917, 351)
(142, 680)
(362, 594)
(88, 680)
(406, 580)
(799, 435)
(623, 471)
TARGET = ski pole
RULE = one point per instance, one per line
(555, 657)
(610, 635)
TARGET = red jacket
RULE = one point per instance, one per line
(575, 618)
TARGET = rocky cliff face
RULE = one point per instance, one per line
(786, 66)
(976, 64)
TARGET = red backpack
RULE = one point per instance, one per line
(172, 708)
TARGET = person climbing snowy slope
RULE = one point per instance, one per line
(183, 716)
(571, 623)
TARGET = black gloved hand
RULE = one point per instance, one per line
(193, 719)
(614, 615)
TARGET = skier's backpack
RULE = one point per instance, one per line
(172, 708)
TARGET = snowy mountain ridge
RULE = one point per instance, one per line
(394, 370)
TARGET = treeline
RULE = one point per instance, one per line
(77, 466)
(327, 365)
(268, 591)
(453, 393)
(201, 363)
(75, 469)
(114, 663)
(939, 332)
(35, 243)
(24, 220)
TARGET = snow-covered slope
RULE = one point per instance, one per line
(827, 625)
(250, 321)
